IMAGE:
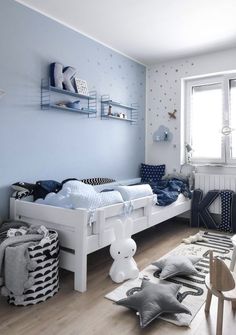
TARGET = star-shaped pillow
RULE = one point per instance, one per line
(154, 300)
(177, 265)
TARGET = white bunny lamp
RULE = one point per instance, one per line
(122, 251)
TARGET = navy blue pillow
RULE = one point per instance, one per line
(152, 173)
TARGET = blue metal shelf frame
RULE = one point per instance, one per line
(89, 107)
(132, 110)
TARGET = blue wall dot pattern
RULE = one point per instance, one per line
(70, 149)
(226, 199)
(152, 173)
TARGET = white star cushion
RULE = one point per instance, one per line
(177, 265)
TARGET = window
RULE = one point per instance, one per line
(210, 119)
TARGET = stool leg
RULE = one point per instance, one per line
(220, 311)
(233, 260)
(208, 301)
(234, 305)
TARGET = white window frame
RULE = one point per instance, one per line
(187, 87)
(229, 160)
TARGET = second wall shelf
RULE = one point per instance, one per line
(112, 110)
(117, 118)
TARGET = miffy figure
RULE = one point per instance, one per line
(122, 251)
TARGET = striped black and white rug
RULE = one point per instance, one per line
(193, 291)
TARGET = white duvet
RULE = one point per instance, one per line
(76, 194)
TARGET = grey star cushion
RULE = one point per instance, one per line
(154, 300)
(177, 265)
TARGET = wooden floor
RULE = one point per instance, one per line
(70, 312)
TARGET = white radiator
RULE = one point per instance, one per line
(207, 182)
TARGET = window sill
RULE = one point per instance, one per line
(220, 165)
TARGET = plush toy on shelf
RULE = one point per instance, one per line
(110, 111)
(122, 251)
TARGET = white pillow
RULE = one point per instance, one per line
(65, 191)
(78, 187)
(110, 198)
(87, 200)
(50, 198)
(55, 199)
(95, 200)
(134, 192)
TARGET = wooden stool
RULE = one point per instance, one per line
(233, 260)
(220, 282)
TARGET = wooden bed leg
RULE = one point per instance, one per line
(147, 212)
(101, 224)
(80, 274)
(234, 305)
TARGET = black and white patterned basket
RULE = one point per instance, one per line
(45, 274)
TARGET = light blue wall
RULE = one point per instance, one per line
(36, 144)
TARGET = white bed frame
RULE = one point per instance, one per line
(72, 226)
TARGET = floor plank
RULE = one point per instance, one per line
(72, 313)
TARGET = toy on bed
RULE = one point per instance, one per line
(195, 238)
(22, 189)
(122, 251)
(38, 190)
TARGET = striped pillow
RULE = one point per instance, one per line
(97, 181)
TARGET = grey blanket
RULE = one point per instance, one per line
(15, 262)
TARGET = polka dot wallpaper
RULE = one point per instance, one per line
(164, 101)
(163, 109)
